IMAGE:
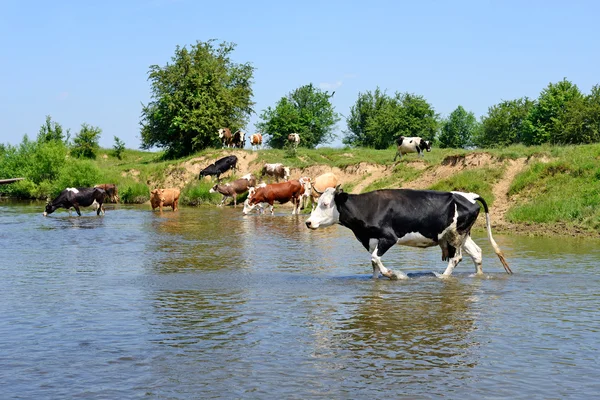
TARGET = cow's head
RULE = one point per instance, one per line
(426, 144)
(326, 212)
(213, 189)
(49, 209)
(221, 133)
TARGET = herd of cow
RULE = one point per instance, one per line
(378, 219)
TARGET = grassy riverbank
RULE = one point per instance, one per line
(546, 188)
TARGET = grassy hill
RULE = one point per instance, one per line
(541, 189)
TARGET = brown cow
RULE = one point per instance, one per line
(235, 188)
(112, 194)
(276, 170)
(256, 140)
(164, 197)
(314, 189)
(279, 192)
(226, 137)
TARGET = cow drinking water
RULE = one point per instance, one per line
(77, 197)
(417, 218)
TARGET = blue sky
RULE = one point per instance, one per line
(87, 62)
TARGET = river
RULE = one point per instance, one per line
(208, 303)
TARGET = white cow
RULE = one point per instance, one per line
(411, 145)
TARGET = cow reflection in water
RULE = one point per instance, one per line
(429, 329)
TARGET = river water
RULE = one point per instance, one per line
(208, 303)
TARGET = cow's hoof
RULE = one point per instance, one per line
(394, 276)
(441, 276)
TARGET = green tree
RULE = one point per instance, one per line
(503, 125)
(457, 131)
(307, 111)
(548, 115)
(85, 143)
(52, 131)
(119, 148)
(201, 91)
(581, 121)
(376, 119)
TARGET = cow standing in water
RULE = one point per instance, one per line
(77, 197)
(235, 188)
(112, 193)
(164, 197)
(417, 218)
(275, 192)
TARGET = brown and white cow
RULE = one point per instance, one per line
(275, 192)
(112, 194)
(294, 139)
(314, 189)
(164, 197)
(226, 137)
(256, 140)
(277, 170)
(235, 188)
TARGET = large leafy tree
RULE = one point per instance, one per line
(503, 125)
(547, 117)
(581, 122)
(376, 119)
(201, 91)
(307, 111)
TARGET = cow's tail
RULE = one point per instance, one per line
(491, 238)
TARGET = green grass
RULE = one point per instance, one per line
(402, 173)
(564, 190)
(480, 181)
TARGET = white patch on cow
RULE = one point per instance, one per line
(326, 212)
(212, 190)
(73, 190)
(472, 197)
(95, 205)
(247, 177)
(415, 239)
(452, 227)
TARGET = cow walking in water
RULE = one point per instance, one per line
(417, 218)
(77, 197)
(235, 188)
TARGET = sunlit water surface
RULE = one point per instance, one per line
(207, 303)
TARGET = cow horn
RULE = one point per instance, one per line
(315, 189)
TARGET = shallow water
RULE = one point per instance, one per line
(208, 303)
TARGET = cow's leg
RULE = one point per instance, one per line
(471, 248)
(76, 207)
(379, 248)
(453, 261)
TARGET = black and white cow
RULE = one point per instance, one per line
(417, 218)
(220, 166)
(77, 197)
(411, 145)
